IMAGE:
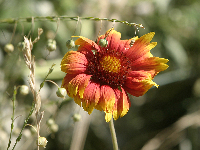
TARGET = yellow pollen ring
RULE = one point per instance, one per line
(111, 64)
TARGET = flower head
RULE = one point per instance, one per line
(100, 76)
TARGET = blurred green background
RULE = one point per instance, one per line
(166, 118)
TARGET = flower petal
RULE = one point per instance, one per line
(138, 83)
(74, 62)
(141, 47)
(107, 99)
(66, 80)
(91, 97)
(86, 46)
(114, 43)
(153, 63)
(122, 104)
(76, 84)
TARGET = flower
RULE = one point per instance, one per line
(101, 76)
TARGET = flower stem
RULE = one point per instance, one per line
(113, 135)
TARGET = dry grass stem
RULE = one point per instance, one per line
(30, 62)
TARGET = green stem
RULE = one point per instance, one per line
(25, 123)
(13, 115)
(50, 71)
(67, 18)
(113, 135)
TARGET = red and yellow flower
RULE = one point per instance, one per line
(100, 76)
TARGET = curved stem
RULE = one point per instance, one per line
(113, 135)
(52, 82)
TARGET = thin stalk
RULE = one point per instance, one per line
(65, 18)
(50, 71)
(25, 123)
(13, 115)
(113, 135)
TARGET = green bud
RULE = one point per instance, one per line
(103, 42)
(61, 92)
(41, 85)
(50, 70)
(77, 46)
(21, 46)
(70, 44)
(51, 45)
(8, 48)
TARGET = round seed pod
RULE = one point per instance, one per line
(24, 89)
(76, 117)
(51, 45)
(61, 92)
(70, 44)
(42, 141)
(52, 125)
(103, 42)
(54, 128)
(8, 48)
(50, 122)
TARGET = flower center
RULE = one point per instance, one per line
(111, 64)
(109, 67)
